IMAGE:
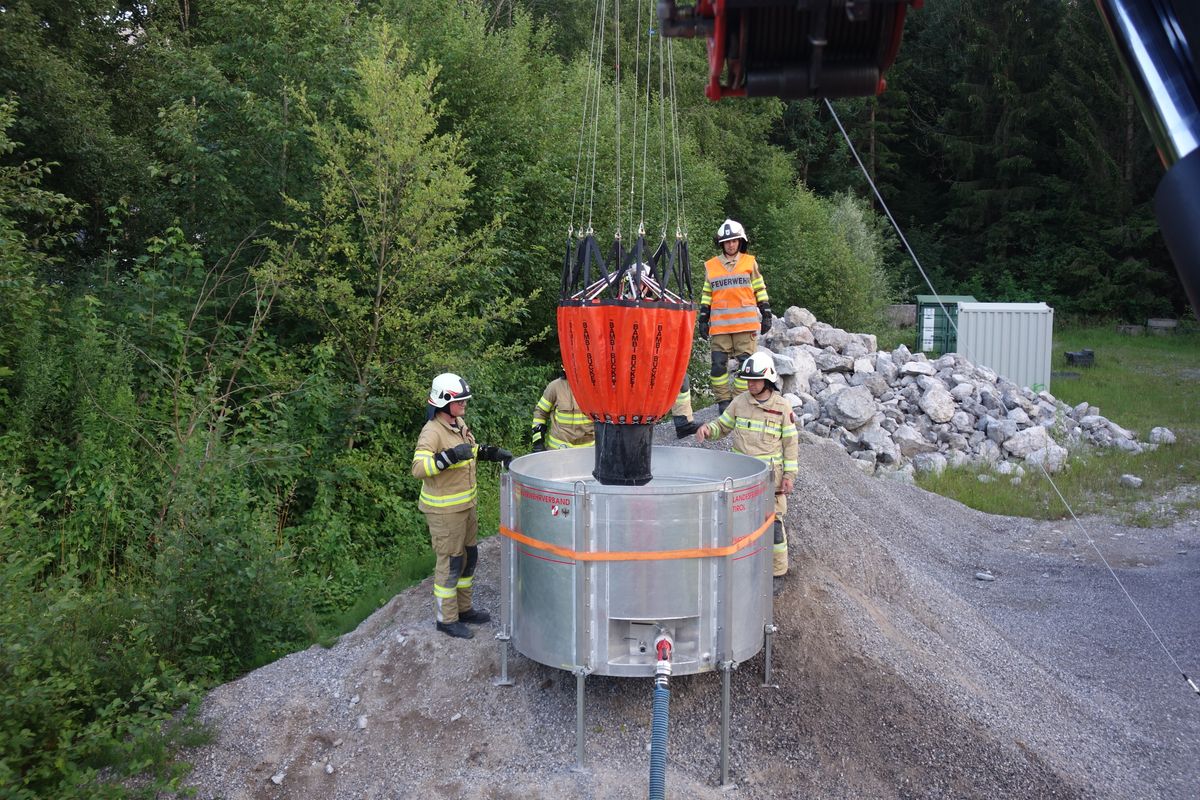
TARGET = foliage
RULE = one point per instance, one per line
(379, 268)
(824, 256)
(87, 699)
(1017, 187)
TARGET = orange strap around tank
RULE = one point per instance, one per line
(633, 555)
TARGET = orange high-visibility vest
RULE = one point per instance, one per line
(734, 308)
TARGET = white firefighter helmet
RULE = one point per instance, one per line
(761, 367)
(448, 388)
(730, 229)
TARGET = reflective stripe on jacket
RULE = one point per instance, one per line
(450, 489)
(766, 431)
(733, 288)
(567, 425)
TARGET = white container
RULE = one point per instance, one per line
(1014, 339)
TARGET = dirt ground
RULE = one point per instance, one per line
(897, 674)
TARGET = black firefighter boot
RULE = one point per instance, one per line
(471, 614)
(685, 427)
(456, 629)
(447, 601)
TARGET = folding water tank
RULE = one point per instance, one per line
(592, 573)
(1014, 339)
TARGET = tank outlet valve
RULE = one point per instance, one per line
(662, 647)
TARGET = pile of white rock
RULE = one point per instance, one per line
(899, 412)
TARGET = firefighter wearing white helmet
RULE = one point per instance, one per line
(764, 427)
(444, 460)
(734, 308)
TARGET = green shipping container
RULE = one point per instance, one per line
(935, 331)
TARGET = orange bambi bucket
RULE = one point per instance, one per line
(625, 360)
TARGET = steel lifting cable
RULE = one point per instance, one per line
(598, 39)
(666, 96)
(646, 127)
(680, 216)
(637, 65)
(1041, 465)
(662, 136)
(597, 21)
(617, 102)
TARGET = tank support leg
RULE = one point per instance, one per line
(726, 668)
(769, 632)
(581, 674)
(502, 637)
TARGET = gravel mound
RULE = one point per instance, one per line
(898, 673)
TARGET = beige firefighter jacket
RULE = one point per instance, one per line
(451, 489)
(766, 431)
(566, 424)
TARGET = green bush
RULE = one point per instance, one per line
(222, 594)
(827, 257)
(85, 696)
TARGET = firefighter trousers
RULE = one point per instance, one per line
(453, 537)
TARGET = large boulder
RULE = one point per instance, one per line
(877, 440)
(804, 366)
(875, 384)
(1022, 443)
(1001, 430)
(929, 462)
(910, 441)
(886, 367)
(799, 335)
(962, 392)
(868, 341)
(851, 408)
(828, 336)
(783, 364)
(1052, 457)
(832, 362)
(1161, 435)
(917, 368)
(1019, 416)
(795, 317)
(988, 452)
(962, 421)
(938, 404)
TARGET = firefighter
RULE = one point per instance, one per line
(734, 308)
(444, 460)
(558, 422)
(764, 427)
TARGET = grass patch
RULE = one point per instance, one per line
(405, 573)
(1138, 383)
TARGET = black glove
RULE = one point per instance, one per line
(705, 311)
(539, 438)
(453, 455)
(765, 311)
(489, 452)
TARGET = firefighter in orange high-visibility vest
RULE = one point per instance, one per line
(444, 460)
(734, 308)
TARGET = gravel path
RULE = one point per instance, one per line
(898, 674)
